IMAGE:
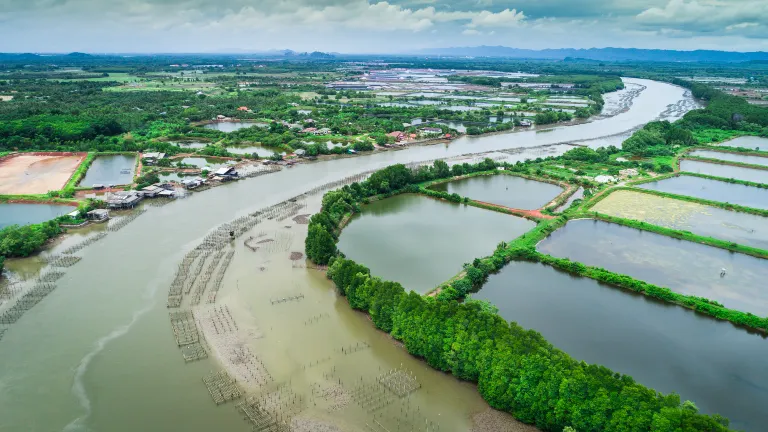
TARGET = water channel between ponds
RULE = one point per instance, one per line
(422, 242)
(668, 348)
(725, 171)
(712, 190)
(99, 349)
(731, 157)
(742, 228)
(23, 214)
(685, 267)
(110, 170)
(502, 189)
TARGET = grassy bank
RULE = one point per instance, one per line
(37, 199)
(80, 171)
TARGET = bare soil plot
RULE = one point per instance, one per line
(37, 173)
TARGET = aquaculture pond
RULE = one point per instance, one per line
(685, 267)
(249, 150)
(579, 194)
(110, 170)
(732, 157)
(725, 171)
(668, 348)
(751, 142)
(743, 228)
(505, 190)
(233, 126)
(25, 214)
(209, 163)
(190, 145)
(712, 190)
(422, 242)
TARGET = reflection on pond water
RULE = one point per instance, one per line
(712, 190)
(685, 267)
(743, 228)
(25, 214)
(110, 170)
(750, 142)
(233, 126)
(725, 171)
(732, 157)
(505, 190)
(421, 242)
(668, 348)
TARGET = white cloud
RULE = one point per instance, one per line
(505, 18)
(705, 16)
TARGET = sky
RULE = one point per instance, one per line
(371, 26)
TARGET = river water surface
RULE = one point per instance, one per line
(98, 353)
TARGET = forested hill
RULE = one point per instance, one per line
(602, 54)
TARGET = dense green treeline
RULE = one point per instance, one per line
(517, 370)
(22, 241)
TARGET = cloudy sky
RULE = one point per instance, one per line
(365, 26)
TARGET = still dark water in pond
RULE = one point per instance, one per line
(685, 267)
(725, 171)
(25, 214)
(110, 170)
(506, 190)
(668, 348)
(712, 190)
(422, 242)
(210, 163)
(732, 157)
(750, 142)
(233, 126)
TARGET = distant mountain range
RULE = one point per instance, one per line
(600, 54)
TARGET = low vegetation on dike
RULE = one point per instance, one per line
(517, 370)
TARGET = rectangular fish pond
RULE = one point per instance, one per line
(25, 214)
(742, 228)
(750, 142)
(684, 267)
(110, 170)
(731, 157)
(668, 348)
(422, 242)
(712, 190)
(725, 171)
(502, 189)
